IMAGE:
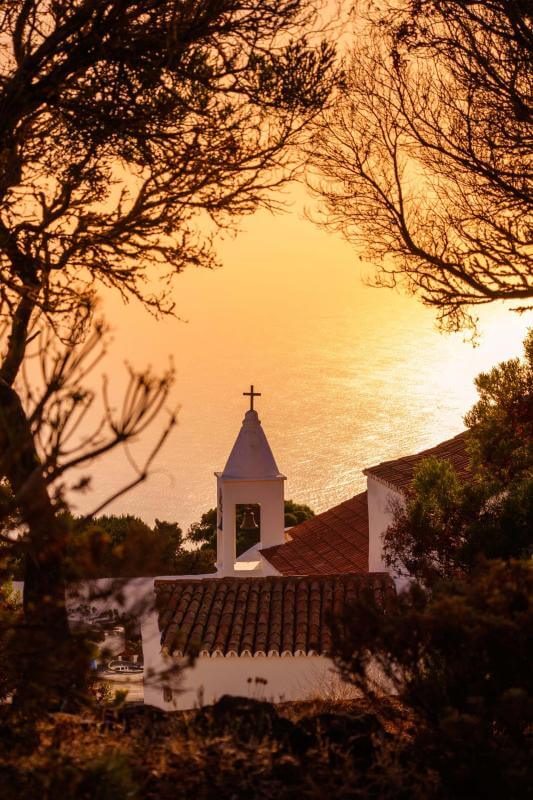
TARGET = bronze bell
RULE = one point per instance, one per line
(248, 520)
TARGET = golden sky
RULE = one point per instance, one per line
(350, 375)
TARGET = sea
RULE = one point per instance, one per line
(349, 375)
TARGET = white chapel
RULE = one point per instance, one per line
(260, 625)
(250, 477)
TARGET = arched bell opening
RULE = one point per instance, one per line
(247, 526)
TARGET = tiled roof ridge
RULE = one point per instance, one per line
(279, 578)
(397, 473)
(301, 526)
(333, 542)
(274, 616)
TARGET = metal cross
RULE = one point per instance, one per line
(251, 394)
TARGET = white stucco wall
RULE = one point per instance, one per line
(380, 502)
(276, 679)
(267, 568)
(273, 678)
(269, 493)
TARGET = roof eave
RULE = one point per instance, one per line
(384, 482)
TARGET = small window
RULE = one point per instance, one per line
(167, 694)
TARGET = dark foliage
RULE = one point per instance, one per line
(130, 133)
(239, 748)
(459, 660)
(125, 547)
(425, 160)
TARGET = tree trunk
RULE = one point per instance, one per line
(51, 664)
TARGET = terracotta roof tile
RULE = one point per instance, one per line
(331, 543)
(258, 616)
(398, 473)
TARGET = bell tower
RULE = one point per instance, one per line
(250, 477)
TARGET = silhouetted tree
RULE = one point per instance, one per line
(458, 661)
(50, 438)
(425, 160)
(130, 133)
(127, 547)
(296, 513)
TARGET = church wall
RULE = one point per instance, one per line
(287, 678)
(269, 494)
(266, 567)
(380, 516)
(273, 678)
(276, 679)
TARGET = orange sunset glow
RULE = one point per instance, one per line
(350, 375)
(266, 399)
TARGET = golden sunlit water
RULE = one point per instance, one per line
(349, 375)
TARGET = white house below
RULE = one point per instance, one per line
(253, 637)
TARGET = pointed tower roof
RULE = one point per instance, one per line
(251, 457)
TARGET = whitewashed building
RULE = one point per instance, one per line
(388, 482)
(259, 626)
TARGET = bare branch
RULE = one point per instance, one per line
(425, 161)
